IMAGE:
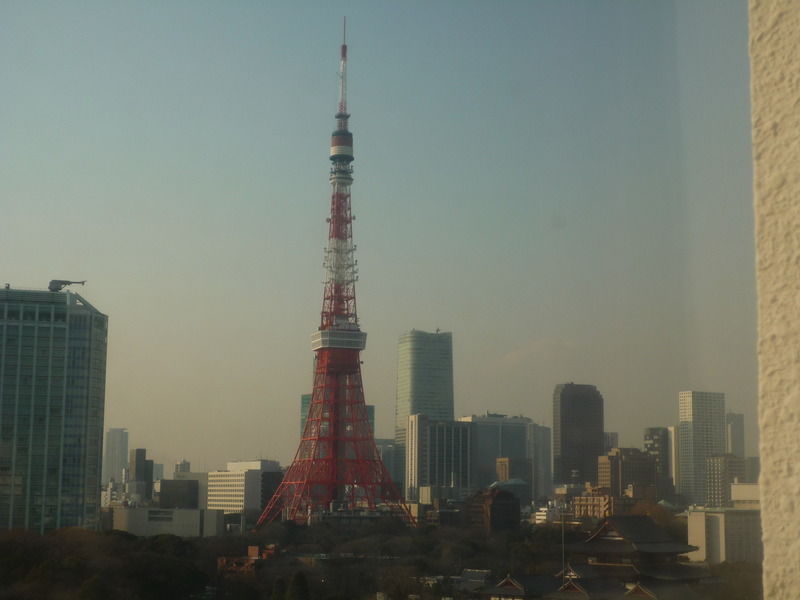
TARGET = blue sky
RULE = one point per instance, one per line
(563, 185)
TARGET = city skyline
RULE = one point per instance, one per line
(601, 232)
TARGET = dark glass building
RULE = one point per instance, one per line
(52, 396)
(577, 433)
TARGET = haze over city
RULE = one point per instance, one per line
(564, 186)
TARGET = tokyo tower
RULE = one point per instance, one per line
(337, 466)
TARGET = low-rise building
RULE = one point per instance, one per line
(725, 535)
(183, 522)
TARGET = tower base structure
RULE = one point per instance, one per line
(337, 467)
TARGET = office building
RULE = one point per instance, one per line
(386, 449)
(577, 433)
(657, 445)
(424, 384)
(439, 454)
(752, 469)
(202, 485)
(674, 455)
(158, 471)
(610, 440)
(497, 436)
(239, 488)
(729, 535)
(115, 455)
(623, 467)
(140, 476)
(183, 522)
(721, 472)
(305, 403)
(183, 466)
(52, 398)
(734, 434)
(540, 444)
(702, 434)
(179, 493)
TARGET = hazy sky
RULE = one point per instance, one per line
(564, 185)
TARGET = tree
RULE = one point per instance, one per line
(298, 587)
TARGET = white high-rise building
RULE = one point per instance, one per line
(701, 429)
(424, 384)
(115, 455)
(238, 489)
(674, 455)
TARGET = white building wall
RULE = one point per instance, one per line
(727, 535)
(184, 522)
(234, 491)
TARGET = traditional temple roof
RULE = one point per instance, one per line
(660, 590)
(592, 589)
(581, 570)
(630, 535)
(524, 586)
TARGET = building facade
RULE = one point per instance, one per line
(701, 430)
(540, 444)
(497, 436)
(657, 444)
(140, 476)
(424, 384)
(439, 454)
(725, 535)
(577, 433)
(241, 487)
(115, 455)
(734, 434)
(622, 467)
(183, 522)
(610, 440)
(52, 399)
(721, 472)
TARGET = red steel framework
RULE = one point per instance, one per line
(337, 465)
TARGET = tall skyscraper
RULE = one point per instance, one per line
(701, 429)
(540, 445)
(657, 445)
(140, 475)
(734, 434)
(115, 455)
(674, 455)
(52, 398)
(424, 383)
(577, 432)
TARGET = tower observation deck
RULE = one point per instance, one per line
(337, 465)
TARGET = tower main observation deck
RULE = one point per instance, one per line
(337, 465)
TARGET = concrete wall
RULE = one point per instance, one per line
(148, 521)
(775, 76)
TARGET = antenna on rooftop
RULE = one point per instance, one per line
(56, 285)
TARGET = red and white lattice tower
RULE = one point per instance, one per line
(337, 465)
